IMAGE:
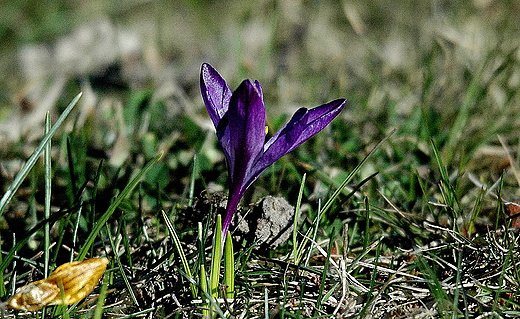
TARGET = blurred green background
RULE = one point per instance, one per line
(446, 70)
(279, 43)
(303, 52)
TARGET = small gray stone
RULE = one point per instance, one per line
(270, 222)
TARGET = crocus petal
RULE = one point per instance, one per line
(215, 93)
(318, 118)
(302, 126)
(242, 136)
(246, 129)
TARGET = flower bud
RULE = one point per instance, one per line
(69, 283)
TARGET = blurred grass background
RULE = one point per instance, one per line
(445, 70)
(393, 61)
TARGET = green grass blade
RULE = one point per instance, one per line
(297, 253)
(98, 312)
(347, 180)
(229, 267)
(3, 291)
(447, 188)
(216, 257)
(204, 288)
(475, 212)
(442, 169)
(458, 279)
(507, 263)
(329, 293)
(434, 283)
(317, 219)
(203, 279)
(122, 271)
(202, 257)
(75, 232)
(47, 204)
(111, 209)
(325, 272)
(214, 306)
(266, 303)
(314, 230)
(367, 224)
(194, 174)
(34, 157)
(178, 246)
(373, 277)
(307, 238)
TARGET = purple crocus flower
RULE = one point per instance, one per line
(239, 118)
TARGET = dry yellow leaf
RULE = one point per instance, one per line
(68, 284)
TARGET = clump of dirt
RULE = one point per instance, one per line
(269, 223)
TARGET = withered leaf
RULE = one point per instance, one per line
(69, 283)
